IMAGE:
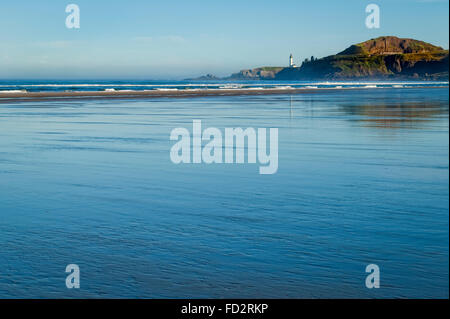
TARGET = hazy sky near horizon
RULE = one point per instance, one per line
(146, 39)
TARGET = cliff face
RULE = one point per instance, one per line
(381, 58)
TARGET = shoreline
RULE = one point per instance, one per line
(38, 96)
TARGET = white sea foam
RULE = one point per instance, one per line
(14, 91)
(114, 90)
(287, 87)
(230, 86)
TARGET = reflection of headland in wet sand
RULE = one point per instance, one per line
(397, 115)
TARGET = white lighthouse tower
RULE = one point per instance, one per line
(291, 62)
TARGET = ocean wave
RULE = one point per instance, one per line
(231, 86)
(286, 87)
(19, 87)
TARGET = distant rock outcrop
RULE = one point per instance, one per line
(207, 77)
(264, 73)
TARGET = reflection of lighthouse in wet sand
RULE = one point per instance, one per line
(291, 62)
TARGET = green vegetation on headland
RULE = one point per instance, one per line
(381, 58)
(263, 73)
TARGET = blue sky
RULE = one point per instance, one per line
(146, 39)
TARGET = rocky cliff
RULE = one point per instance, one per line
(381, 58)
(376, 59)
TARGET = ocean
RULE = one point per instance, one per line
(362, 179)
(17, 86)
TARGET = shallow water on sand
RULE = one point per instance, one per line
(363, 178)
